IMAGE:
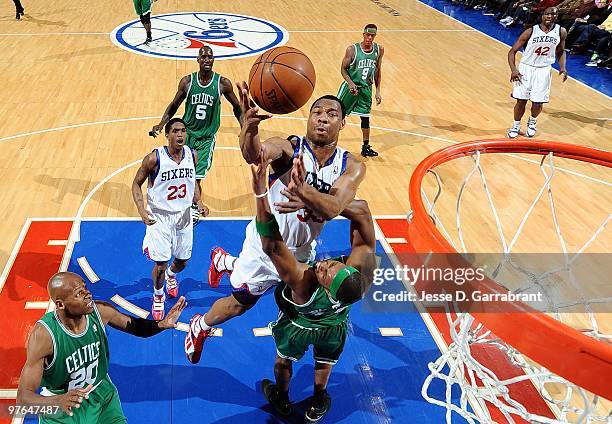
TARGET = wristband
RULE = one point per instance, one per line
(259, 196)
(267, 229)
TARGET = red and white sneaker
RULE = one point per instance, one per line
(217, 255)
(171, 286)
(159, 302)
(194, 340)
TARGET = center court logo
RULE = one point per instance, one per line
(180, 35)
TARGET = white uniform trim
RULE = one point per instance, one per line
(44, 324)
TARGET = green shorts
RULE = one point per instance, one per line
(142, 7)
(205, 148)
(360, 105)
(103, 406)
(292, 341)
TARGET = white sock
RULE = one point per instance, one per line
(170, 273)
(224, 262)
(229, 261)
(516, 125)
(201, 324)
(158, 292)
(532, 119)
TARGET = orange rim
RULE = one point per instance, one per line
(565, 351)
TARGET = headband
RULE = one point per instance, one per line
(339, 279)
(370, 30)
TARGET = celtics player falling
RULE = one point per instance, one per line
(362, 67)
(67, 354)
(314, 299)
(202, 92)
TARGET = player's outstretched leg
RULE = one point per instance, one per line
(221, 262)
(196, 336)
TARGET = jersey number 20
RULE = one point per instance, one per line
(177, 192)
(84, 376)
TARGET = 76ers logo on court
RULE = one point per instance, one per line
(180, 35)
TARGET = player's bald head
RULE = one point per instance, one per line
(62, 284)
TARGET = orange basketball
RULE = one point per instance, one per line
(282, 80)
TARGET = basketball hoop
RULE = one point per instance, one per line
(579, 360)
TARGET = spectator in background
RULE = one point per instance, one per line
(570, 10)
(596, 18)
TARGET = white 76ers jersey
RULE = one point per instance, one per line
(302, 227)
(172, 187)
(541, 47)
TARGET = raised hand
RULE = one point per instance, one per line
(173, 315)
(250, 111)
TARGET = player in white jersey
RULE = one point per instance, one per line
(543, 43)
(171, 188)
(311, 181)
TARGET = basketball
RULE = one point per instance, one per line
(282, 80)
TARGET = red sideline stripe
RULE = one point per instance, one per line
(490, 357)
(27, 280)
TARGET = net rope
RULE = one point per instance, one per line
(457, 367)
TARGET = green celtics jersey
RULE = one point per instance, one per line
(203, 107)
(78, 359)
(319, 312)
(363, 67)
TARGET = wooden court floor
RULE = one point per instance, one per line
(75, 111)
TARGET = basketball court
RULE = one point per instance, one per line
(81, 93)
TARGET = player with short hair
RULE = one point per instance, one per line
(202, 93)
(68, 354)
(332, 176)
(531, 80)
(314, 299)
(170, 171)
(362, 67)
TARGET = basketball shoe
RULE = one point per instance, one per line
(172, 287)
(368, 152)
(318, 408)
(531, 127)
(274, 398)
(195, 338)
(159, 302)
(217, 266)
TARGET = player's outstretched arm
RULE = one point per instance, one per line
(179, 97)
(148, 165)
(515, 75)
(277, 149)
(227, 89)
(288, 268)
(343, 191)
(363, 238)
(40, 346)
(139, 327)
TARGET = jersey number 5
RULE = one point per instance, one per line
(201, 111)
(542, 51)
(177, 192)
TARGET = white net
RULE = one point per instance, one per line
(459, 369)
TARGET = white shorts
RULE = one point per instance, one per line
(253, 271)
(534, 84)
(171, 235)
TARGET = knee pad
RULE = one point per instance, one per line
(142, 19)
(146, 18)
(365, 122)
